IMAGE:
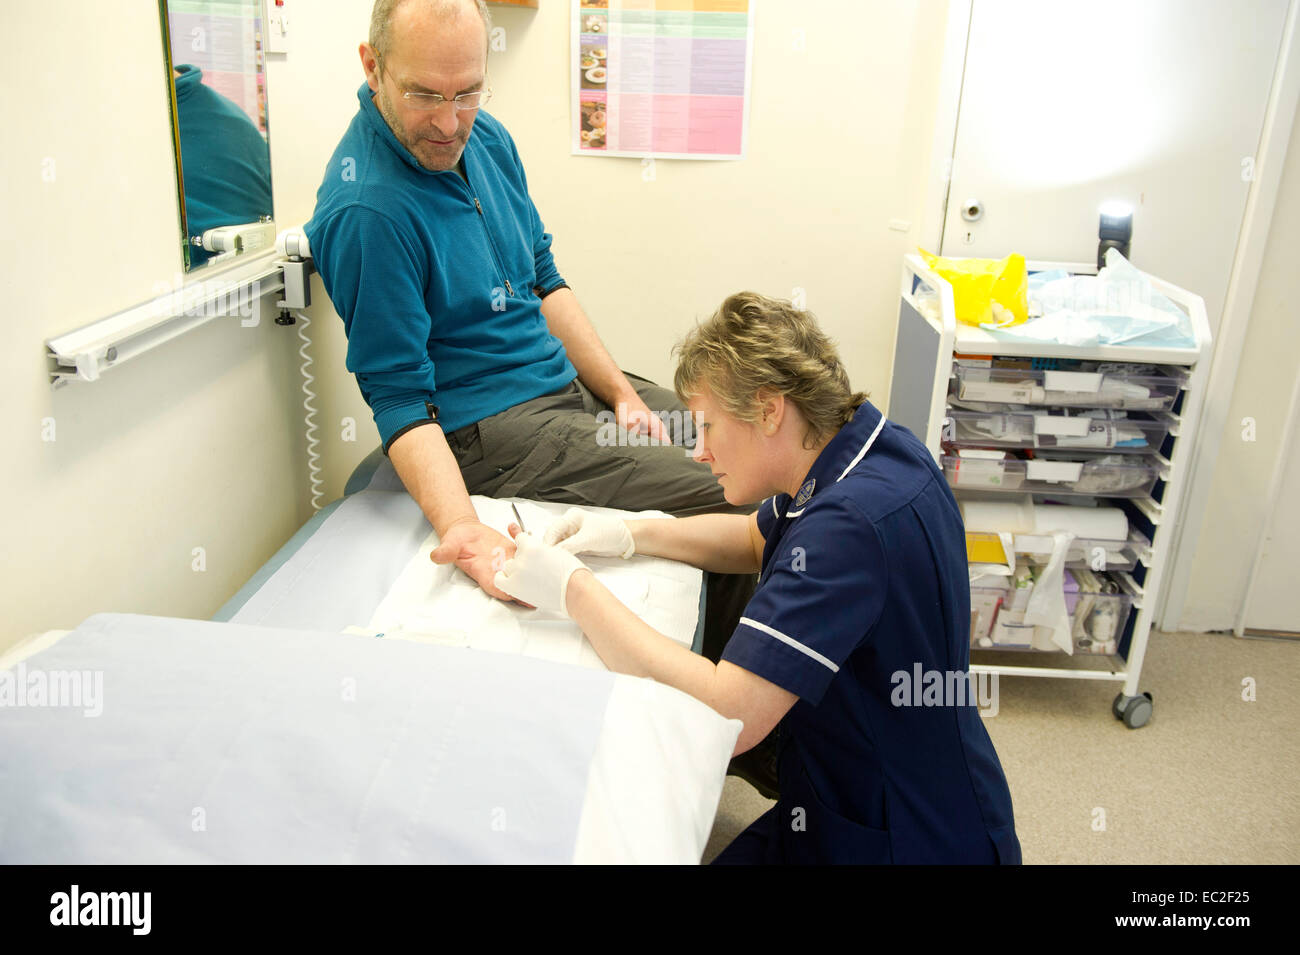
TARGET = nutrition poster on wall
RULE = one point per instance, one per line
(663, 78)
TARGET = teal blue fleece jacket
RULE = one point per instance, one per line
(438, 281)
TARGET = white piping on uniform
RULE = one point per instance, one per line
(860, 455)
(865, 448)
(775, 512)
(764, 628)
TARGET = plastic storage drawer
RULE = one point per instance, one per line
(1085, 388)
(1029, 429)
(1131, 476)
(1097, 618)
(1087, 552)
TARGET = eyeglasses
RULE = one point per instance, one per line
(426, 102)
(431, 101)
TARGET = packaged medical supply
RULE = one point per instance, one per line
(1116, 306)
(985, 289)
(997, 383)
(1101, 428)
(1090, 611)
(1050, 471)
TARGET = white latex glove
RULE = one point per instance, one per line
(538, 574)
(581, 532)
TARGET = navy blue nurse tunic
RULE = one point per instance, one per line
(865, 577)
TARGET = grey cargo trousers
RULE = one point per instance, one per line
(554, 448)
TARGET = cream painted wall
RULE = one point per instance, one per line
(1270, 361)
(312, 96)
(192, 445)
(843, 106)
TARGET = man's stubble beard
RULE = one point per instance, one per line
(394, 124)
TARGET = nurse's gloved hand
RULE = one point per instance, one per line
(538, 574)
(581, 532)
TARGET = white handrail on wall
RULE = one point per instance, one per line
(85, 353)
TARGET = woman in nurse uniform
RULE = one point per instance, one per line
(863, 591)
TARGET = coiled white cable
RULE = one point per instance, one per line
(313, 458)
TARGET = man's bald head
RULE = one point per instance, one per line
(448, 11)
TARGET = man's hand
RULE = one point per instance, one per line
(479, 551)
(635, 418)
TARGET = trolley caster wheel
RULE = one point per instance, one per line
(1134, 711)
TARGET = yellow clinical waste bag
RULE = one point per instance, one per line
(979, 284)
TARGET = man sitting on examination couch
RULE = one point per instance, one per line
(482, 370)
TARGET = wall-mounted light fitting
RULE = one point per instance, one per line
(1116, 229)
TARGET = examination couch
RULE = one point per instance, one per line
(353, 702)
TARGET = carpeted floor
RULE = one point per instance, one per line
(1210, 779)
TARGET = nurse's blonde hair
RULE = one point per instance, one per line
(755, 347)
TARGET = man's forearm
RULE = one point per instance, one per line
(595, 366)
(432, 477)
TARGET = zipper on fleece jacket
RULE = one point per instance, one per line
(492, 243)
(482, 218)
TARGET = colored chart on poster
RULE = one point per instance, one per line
(661, 78)
(223, 38)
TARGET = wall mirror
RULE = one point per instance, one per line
(216, 79)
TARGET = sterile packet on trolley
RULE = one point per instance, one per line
(1117, 306)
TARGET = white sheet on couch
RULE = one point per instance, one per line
(438, 604)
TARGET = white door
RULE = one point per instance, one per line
(1066, 105)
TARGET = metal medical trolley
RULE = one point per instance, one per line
(926, 382)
